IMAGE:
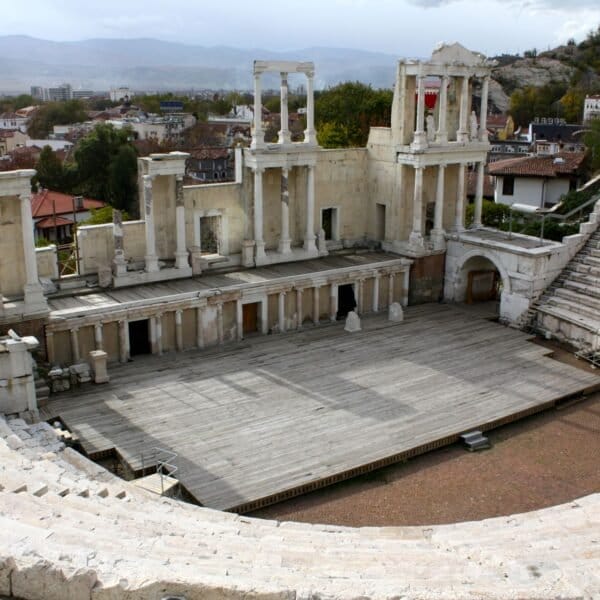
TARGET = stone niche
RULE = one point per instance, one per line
(17, 387)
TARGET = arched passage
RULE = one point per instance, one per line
(480, 276)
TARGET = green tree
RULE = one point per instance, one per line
(55, 113)
(353, 108)
(50, 172)
(122, 178)
(572, 104)
(103, 164)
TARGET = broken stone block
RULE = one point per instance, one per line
(352, 322)
(98, 360)
(395, 313)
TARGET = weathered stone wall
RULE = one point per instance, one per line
(427, 279)
(12, 261)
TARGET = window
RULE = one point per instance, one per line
(508, 185)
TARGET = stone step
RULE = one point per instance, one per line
(586, 259)
(591, 325)
(572, 306)
(581, 267)
(583, 300)
(582, 288)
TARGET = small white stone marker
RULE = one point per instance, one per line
(352, 322)
(98, 361)
(395, 313)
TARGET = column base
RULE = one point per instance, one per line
(35, 301)
(416, 241)
(462, 137)
(419, 141)
(119, 267)
(285, 246)
(248, 253)
(259, 253)
(257, 144)
(310, 136)
(181, 260)
(476, 225)
(310, 245)
(438, 239)
(284, 137)
(441, 138)
(151, 264)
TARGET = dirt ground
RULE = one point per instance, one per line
(546, 459)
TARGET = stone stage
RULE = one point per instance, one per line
(265, 419)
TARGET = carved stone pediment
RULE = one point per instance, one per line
(448, 54)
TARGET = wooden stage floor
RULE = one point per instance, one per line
(273, 416)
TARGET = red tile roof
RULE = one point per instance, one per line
(564, 163)
(49, 222)
(47, 203)
(208, 153)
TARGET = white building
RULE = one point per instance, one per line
(120, 93)
(591, 108)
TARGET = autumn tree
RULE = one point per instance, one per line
(345, 113)
(55, 113)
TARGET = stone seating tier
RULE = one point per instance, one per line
(70, 529)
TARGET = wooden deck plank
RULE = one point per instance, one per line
(255, 419)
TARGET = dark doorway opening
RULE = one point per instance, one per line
(380, 222)
(250, 317)
(346, 300)
(139, 337)
(327, 223)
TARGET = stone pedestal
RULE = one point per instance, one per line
(248, 253)
(98, 359)
(352, 322)
(395, 313)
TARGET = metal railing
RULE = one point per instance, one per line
(164, 461)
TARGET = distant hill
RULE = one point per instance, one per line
(148, 64)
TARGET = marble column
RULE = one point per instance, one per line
(405, 287)
(416, 236)
(479, 195)
(284, 132)
(258, 135)
(158, 330)
(485, 91)
(179, 330)
(285, 241)
(151, 258)
(463, 134)
(281, 312)
(199, 327)
(376, 292)
(316, 304)
(459, 222)
(239, 320)
(299, 310)
(260, 255)
(310, 134)
(32, 290)
(333, 302)
(119, 262)
(220, 333)
(123, 341)
(50, 350)
(437, 233)
(441, 136)
(181, 254)
(420, 137)
(75, 354)
(358, 295)
(309, 236)
(391, 289)
(98, 336)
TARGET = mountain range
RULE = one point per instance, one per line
(153, 65)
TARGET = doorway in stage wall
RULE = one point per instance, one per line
(139, 337)
(346, 300)
(250, 317)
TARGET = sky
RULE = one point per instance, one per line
(400, 27)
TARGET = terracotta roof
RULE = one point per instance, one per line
(47, 203)
(488, 185)
(49, 222)
(564, 163)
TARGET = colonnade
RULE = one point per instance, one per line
(156, 320)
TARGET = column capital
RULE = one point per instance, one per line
(148, 179)
(258, 170)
